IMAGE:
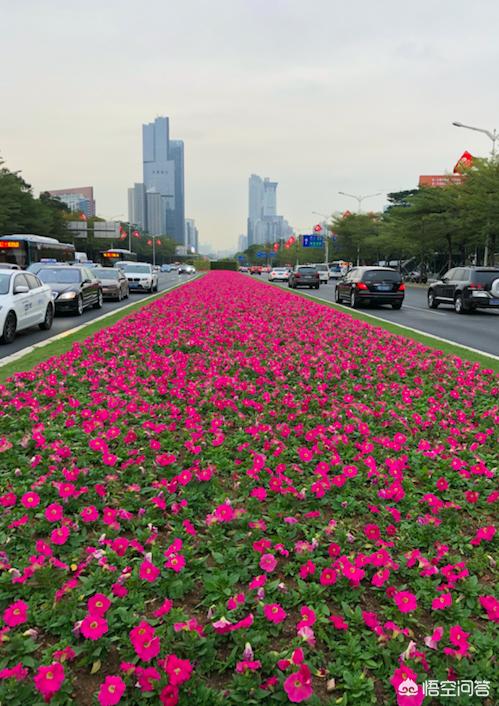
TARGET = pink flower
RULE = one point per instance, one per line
(176, 562)
(248, 666)
(178, 670)
(432, 641)
(298, 685)
(338, 622)
(328, 577)
(148, 571)
(274, 612)
(111, 691)
(93, 627)
(60, 535)
(89, 514)
(53, 512)
(444, 600)
(169, 695)
(268, 562)
(30, 500)
(405, 601)
(16, 614)
(484, 534)
(224, 513)
(98, 604)
(48, 680)
(491, 606)
(164, 608)
(17, 672)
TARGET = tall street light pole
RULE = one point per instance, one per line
(326, 236)
(359, 200)
(492, 135)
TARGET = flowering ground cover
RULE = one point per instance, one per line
(240, 496)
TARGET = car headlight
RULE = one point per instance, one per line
(67, 295)
(53, 295)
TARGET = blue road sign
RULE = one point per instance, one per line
(261, 254)
(313, 241)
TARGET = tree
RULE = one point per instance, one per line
(357, 236)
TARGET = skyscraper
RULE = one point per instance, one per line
(79, 198)
(264, 225)
(162, 189)
(191, 236)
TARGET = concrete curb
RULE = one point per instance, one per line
(29, 349)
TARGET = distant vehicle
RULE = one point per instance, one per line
(74, 288)
(371, 285)
(156, 268)
(243, 268)
(140, 276)
(24, 250)
(304, 276)
(114, 282)
(255, 270)
(81, 257)
(114, 255)
(24, 301)
(165, 268)
(279, 274)
(337, 268)
(323, 271)
(466, 289)
(417, 276)
(186, 270)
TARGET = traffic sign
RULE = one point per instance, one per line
(313, 241)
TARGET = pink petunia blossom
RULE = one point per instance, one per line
(298, 686)
(93, 627)
(405, 601)
(274, 613)
(15, 614)
(49, 679)
(111, 690)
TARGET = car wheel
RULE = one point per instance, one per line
(459, 305)
(354, 301)
(127, 294)
(9, 328)
(47, 322)
(432, 302)
(337, 295)
(317, 286)
(79, 305)
(100, 300)
(397, 305)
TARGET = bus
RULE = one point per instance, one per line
(24, 250)
(110, 257)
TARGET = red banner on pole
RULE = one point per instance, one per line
(149, 242)
(464, 162)
(136, 234)
(158, 241)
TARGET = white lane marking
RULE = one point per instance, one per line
(407, 328)
(41, 344)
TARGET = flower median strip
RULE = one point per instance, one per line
(236, 495)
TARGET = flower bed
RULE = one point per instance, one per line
(239, 496)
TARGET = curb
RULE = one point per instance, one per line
(29, 349)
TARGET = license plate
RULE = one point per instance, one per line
(384, 288)
(494, 301)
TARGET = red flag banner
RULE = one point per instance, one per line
(318, 228)
(276, 246)
(158, 241)
(464, 162)
(83, 217)
(123, 235)
(136, 234)
(149, 242)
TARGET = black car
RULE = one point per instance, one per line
(370, 285)
(466, 289)
(74, 288)
(304, 276)
(113, 281)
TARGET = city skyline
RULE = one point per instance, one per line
(319, 97)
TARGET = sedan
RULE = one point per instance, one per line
(24, 301)
(304, 276)
(279, 274)
(113, 281)
(370, 285)
(73, 288)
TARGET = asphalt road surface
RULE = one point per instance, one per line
(65, 322)
(479, 330)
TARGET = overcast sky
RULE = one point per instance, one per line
(321, 96)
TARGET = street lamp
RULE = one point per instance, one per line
(326, 236)
(491, 135)
(359, 200)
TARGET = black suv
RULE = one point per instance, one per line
(304, 276)
(466, 289)
(373, 285)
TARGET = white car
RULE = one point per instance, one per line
(140, 276)
(24, 301)
(323, 272)
(279, 274)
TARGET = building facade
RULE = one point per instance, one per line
(176, 153)
(137, 207)
(264, 225)
(78, 198)
(191, 236)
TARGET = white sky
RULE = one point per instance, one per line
(320, 95)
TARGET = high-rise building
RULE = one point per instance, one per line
(176, 152)
(137, 207)
(264, 225)
(78, 198)
(242, 243)
(191, 236)
(156, 213)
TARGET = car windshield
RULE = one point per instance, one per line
(485, 276)
(145, 269)
(307, 270)
(381, 276)
(322, 268)
(64, 275)
(105, 273)
(4, 282)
